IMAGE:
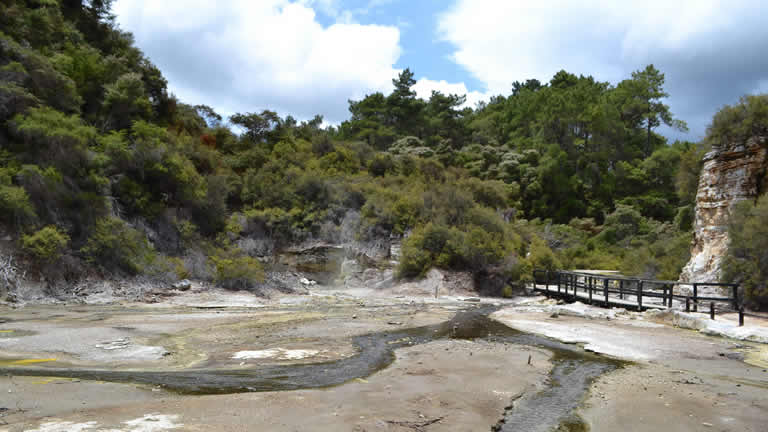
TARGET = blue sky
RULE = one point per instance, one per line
(307, 57)
(423, 51)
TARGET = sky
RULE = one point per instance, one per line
(307, 57)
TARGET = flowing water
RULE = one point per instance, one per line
(573, 371)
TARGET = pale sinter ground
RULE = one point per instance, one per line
(682, 379)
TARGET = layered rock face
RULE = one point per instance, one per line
(730, 174)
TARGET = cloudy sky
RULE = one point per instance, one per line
(307, 57)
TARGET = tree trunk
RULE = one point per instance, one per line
(648, 140)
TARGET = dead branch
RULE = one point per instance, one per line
(417, 426)
(10, 275)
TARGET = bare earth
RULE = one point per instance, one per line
(680, 380)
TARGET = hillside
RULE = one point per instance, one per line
(104, 173)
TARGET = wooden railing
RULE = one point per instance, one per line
(634, 292)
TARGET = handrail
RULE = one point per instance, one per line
(569, 283)
(656, 281)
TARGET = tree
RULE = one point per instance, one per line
(126, 101)
(444, 120)
(211, 117)
(646, 91)
(402, 105)
(370, 121)
(257, 127)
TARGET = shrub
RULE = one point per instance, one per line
(434, 245)
(541, 256)
(46, 245)
(115, 245)
(746, 261)
(414, 261)
(623, 223)
(234, 269)
(381, 164)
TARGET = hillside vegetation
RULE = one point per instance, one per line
(102, 170)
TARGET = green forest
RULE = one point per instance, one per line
(95, 153)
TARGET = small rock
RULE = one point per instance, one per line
(183, 285)
(394, 323)
(354, 316)
(472, 299)
(707, 424)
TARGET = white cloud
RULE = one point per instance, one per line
(250, 55)
(500, 41)
(712, 51)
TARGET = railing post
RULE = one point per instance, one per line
(735, 296)
(621, 289)
(639, 295)
(688, 304)
(605, 290)
(671, 295)
(712, 310)
(575, 286)
(546, 286)
(695, 297)
(589, 287)
(558, 281)
(741, 316)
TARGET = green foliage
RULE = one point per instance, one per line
(234, 269)
(621, 225)
(471, 248)
(15, 206)
(381, 165)
(566, 173)
(747, 259)
(125, 101)
(541, 256)
(737, 123)
(115, 245)
(45, 245)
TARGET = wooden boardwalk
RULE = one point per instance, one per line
(631, 293)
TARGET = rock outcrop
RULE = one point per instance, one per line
(731, 173)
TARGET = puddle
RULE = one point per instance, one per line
(573, 371)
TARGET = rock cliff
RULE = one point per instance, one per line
(731, 173)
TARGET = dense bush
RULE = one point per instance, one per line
(234, 269)
(115, 245)
(468, 248)
(747, 258)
